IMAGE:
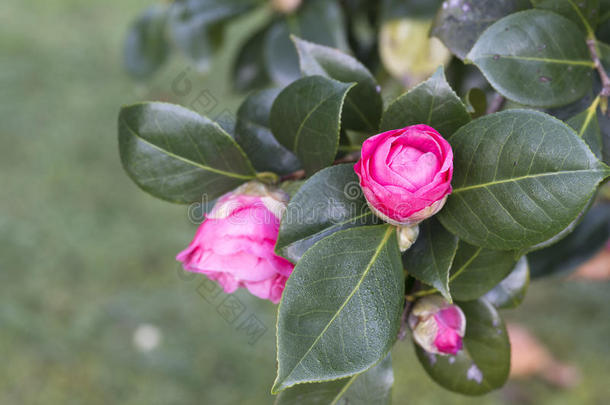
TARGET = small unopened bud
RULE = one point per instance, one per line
(285, 6)
(407, 235)
(438, 327)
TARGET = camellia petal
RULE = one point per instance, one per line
(406, 173)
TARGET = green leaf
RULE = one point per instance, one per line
(432, 102)
(588, 238)
(177, 155)
(476, 270)
(281, 59)
(511, 291)
(371, 387)
(430, 258)
(306, 118)
(253, 134)
(363, 104)
(396, 9)
(146, 47)
(483, 363)
(586, 126)
(329, 201)
(196, 26)
(520, 177)
(319, 21)
(340, 311)
(583, 13)
(565, 232)
(536, 58)
(459, 23)
(476, 102)
(249, 70)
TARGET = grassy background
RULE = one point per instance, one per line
(86, 258)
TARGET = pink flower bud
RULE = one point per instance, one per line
(437, 326)
(234, 245)
(405, 174)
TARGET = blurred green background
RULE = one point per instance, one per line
(86, 259)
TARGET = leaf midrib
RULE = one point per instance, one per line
(307, 117)
(530, 176)
(586, 63)
(185, 160)
(376, 254)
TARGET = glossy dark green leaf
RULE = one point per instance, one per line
(584, 13)
(535, 57)
(340, 311)
(432, 102)
(588, 238)
(330, 201)
(281, 59)
(586, 126)
(371, 387)
(319, 21)
(565, 232)
(253, 134)
(363, 104)
(430, 258)
(306, 118)
(292, 186)
(511, 291)
(146, 47)
(249, 70)
(483, 363)
(476, 270)
(459, 23)
(177, 155)
(396, 9)
(520, 177)
(196, 26)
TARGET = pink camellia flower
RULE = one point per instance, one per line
(437, 326)
(406, 173)
(234, 245)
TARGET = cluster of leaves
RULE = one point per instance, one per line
(196, 29)
(524, 182)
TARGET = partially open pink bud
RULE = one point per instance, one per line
(438, 327)
(405, 174)
(234, 245)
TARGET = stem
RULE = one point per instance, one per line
(267, 177)
(351, 157)
(421, 293)
(403, 320)
(402, 332)
(298, 175)
(593, 50)
(590, 113)
(496, 104)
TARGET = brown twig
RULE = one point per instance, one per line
(495, 105)
(350, 157)
(403, 320)
(298, 175)
(600, 68)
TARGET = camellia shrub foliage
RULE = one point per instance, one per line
(369, 220)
